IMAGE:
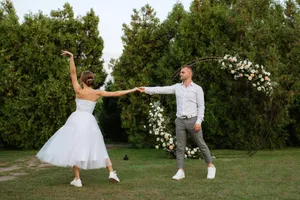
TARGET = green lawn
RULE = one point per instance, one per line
(147, 175)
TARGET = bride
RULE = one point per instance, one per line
(79, 143)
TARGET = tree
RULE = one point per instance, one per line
(289, 72)
(38, 96)
(144, 44)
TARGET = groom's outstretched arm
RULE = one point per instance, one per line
(158, 90)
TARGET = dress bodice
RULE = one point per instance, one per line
(85, 105)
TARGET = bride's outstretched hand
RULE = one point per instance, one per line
(66, 53)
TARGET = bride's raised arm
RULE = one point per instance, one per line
(76, 86)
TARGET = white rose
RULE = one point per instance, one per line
(150, 132)
(262, 80)
(164, 144)
(156, 147)
(156, 133)
(258, 83)
(260, 76)
(250, 78)
(171, 141)
(254, 85)
(192, 152)
(259, 88)
(232, 71)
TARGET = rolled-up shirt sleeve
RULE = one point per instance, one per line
(160, 90)
(200, 105)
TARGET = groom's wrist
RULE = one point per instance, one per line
(199, 121)
(146, 90)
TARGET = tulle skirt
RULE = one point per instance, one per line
(79, 142)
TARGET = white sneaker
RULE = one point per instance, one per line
(113, 177)
(72, 182)
(179, 175)
(211, 172)
(76, 183)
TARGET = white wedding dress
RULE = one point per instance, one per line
(79, 142)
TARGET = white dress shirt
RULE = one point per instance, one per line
(189, 100)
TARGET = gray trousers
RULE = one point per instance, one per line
(184, 126)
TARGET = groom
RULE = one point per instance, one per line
(190, 114)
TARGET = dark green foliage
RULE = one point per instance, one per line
(237, 116)
(36, 93)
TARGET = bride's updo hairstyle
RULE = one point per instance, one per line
(87, 77)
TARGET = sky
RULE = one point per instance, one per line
(112, 14)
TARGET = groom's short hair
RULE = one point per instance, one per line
(188, 67)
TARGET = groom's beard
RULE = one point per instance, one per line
(183, 79)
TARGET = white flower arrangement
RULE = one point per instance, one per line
(163, 138)
(259, 77)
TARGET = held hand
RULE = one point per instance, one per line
(135, 89)
(66, 53)
(141, 89)
(197, 127)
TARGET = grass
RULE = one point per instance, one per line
(147, 175)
